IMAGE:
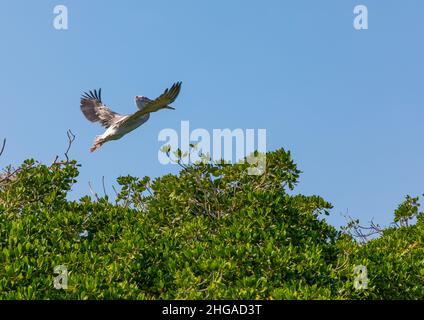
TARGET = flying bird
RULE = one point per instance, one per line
(118, 125)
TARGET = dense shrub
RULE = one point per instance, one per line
(211, 232)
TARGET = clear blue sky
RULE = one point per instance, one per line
(349, 104)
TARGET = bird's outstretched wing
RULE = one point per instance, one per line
(161, 102)
(95, 111)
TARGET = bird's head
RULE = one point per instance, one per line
(141, 101)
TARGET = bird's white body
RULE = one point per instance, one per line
(117, 131)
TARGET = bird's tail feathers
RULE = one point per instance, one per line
(98, 142)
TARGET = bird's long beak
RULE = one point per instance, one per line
(168, 107)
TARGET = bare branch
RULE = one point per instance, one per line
(376, 227)
(9, 175)
(71, 139)
(364, 233)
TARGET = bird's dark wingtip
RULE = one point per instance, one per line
(90, 95)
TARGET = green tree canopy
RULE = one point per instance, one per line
(211, 232)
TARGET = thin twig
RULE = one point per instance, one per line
(345, 262)
(104, 188)
(92, 191)
(4, 145)
(148, 189)
(114, 189)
